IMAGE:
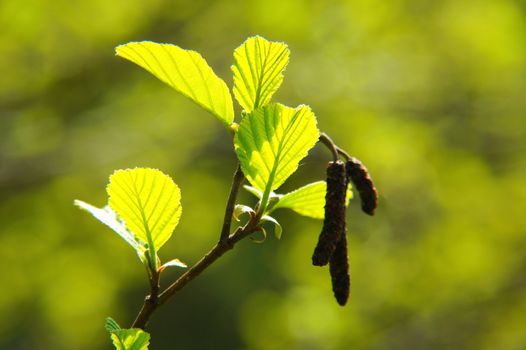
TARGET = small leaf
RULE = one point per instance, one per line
(308, 200)
(263, 234)
(277, 227)
(270, 143)
(254, 191)
(173, 262)
(108, 217)
(259, 194)
(111, 325)
(130, 339)
(241, 209)
(258, 71)
(184, 70)
(149, 202)
(272, 201)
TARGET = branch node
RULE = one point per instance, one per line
(226, 243)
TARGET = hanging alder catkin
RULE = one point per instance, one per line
(339, 269)
(334, 221)
(358, 174)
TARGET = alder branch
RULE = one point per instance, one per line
(207, 260)
(229, 210)
(219, 249)
(226, 243)
(151, 300)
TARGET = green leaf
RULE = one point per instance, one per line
(308, 200)
(270, 143)
(173, 262)
(241, 209)
(111, 325)
(184, 70)
(130, 339)
(108, 217)
(254, 191)
(258, 193)
(263, 233)
(149, 202)
(277, 227)
(258, 71)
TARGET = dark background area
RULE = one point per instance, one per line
(430, 95)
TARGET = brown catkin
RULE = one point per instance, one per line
(334, 221)
(358, 174)
(339, 269)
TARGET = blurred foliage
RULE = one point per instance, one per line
(430, 95)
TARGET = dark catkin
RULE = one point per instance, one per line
(339, 269)
(334, 221)
(358, 174)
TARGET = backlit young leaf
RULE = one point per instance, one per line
(258, 71)
(270, 143)
(108, 217)
(308, 200)
(173, 262)
(241, 209)
(277, 227)
(149, 203)
(184, 70)
(111, 325)
(254, 191)
(130, 339)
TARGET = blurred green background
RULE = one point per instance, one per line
(430, 95)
